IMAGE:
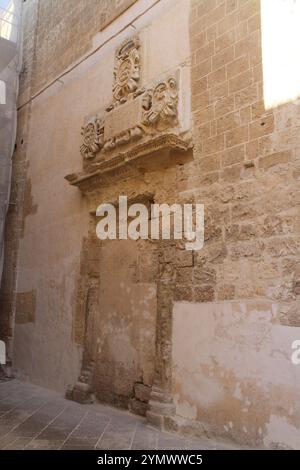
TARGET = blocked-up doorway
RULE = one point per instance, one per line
(120, 322)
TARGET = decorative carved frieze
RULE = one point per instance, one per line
(136, 115)
(92, 138)
(153, 111)
(127, 70)
(131, 135)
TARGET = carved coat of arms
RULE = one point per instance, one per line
(127, 70)
(155, 108)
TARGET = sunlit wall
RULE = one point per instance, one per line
(8, 20)
(280, 30)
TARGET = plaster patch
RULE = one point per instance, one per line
(281, 432)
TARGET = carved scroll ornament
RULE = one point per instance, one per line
(160, 103)
(92, 138)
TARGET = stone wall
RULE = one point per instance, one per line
(65, 33)
(20, 199)
(46, 299)
(233, 373)
(246, 158)
(219, 360)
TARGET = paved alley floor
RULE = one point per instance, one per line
(35, 418)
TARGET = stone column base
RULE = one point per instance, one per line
(82, 391)
(161, 407)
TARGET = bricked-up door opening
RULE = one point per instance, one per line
(119, 313)
(125, 324)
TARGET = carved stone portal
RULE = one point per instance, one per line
(140, 125)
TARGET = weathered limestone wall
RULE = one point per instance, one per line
(20, 190)
(45, 293)
(224, 345)
(232, 335)
(65, 33)
(125, 321)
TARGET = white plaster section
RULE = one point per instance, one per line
(242, 342)
(281, 432)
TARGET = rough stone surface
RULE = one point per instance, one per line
(127, 307)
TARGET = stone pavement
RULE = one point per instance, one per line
(35, 418)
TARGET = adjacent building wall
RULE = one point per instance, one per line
(20, 191)
(53, 218)
(233, 333)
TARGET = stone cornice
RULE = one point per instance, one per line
(120, 166)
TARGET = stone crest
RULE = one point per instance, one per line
(127, 70)
(92, 138)
(136, 113)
